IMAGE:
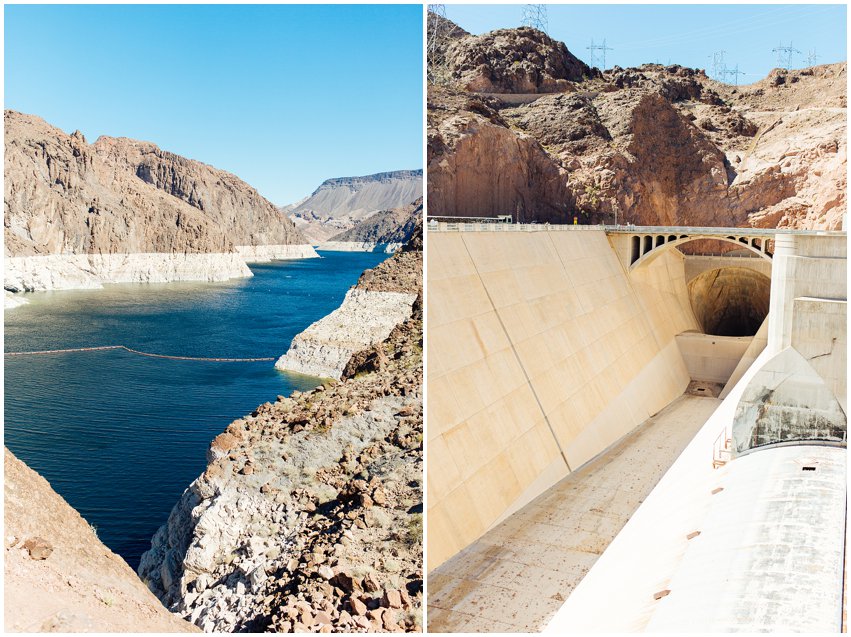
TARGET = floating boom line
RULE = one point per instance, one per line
(101, 348)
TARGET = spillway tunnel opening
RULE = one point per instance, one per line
(730, 301)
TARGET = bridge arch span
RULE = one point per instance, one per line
(646, 247)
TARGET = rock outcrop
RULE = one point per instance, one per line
(59, 577)
(382, 298)
(309, 515)
(652, 145)
(342, 203)
(79, 214)
(522, 60)
(384, 231)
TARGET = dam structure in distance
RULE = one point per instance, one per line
(652, 419)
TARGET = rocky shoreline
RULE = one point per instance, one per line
(359, 246)
(92, 271)
(309, 514)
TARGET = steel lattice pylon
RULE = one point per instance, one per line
(535, 16)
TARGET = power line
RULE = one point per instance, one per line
(735, 73)
(598, 47)
(812, 57)
(535, 16)
(784, 55)
(437, 29)
(719, 66)
(733, 27)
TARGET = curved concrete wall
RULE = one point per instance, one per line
(542, 353)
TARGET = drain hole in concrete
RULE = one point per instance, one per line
(808, 469)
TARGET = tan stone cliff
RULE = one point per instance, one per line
(58, 576)
(649, 145)
(75, 205)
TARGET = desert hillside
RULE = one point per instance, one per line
(518, 125)
(386, 226)
(308, 517)
(65, 196)
(341, 203)
(58, 575)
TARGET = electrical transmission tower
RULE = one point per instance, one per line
(719, 67)
(437, 29)
(535, 16)
(598, 47)
(734, 72)
(784, 55)
(811, 58)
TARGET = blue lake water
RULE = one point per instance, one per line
(120, 436)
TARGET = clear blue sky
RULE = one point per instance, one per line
(685, 34)
(282, 96)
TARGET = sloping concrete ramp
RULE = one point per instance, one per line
(517, 575)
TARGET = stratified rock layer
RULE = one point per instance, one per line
(364, 318)
(58, 575)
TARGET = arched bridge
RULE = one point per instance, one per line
(637, 245)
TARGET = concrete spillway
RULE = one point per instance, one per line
(542, 353)
(549, 348)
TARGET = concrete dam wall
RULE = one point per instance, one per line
(543, 352)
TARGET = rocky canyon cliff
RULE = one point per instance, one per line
(518, 125)
(79, 214)
(308, 517)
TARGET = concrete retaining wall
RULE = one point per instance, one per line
(542, 353)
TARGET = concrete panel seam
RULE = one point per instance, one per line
(517, 356)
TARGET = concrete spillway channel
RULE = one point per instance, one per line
(569, 379)
(516, 576)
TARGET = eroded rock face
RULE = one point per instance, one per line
(383, 298)
(652, 146)
(58, 575)
(522, 60)
(69, 200)
(385, 227)
(478, 166)
(364, 318)
(309, 515)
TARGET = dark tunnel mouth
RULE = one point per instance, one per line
(730, 301)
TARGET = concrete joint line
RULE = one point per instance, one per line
(517, 356)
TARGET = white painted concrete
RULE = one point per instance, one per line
(712, 358)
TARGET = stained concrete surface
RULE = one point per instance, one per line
(554, 540)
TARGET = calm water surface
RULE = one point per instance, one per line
(120, 436)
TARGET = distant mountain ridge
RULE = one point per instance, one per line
(386, 226)
(338, 204)
(385, 177)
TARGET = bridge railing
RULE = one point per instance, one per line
(443, 226)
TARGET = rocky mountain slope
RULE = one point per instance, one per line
(652, 145)
(58, 576)
(522, 60)
(70, 207)
(309, 515)
(341, 203)
(386, 230)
